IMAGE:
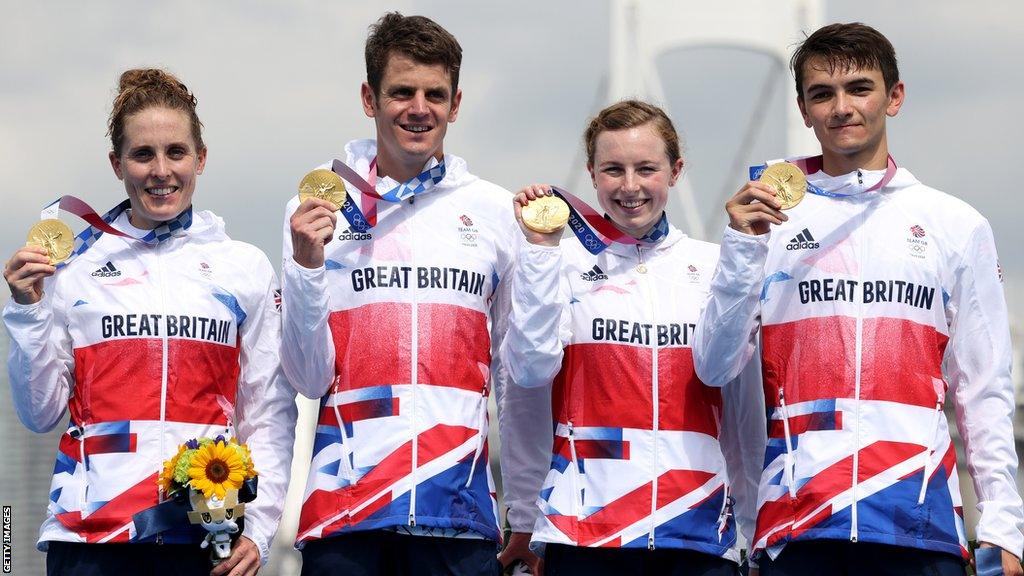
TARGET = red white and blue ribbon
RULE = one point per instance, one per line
(813, 164)
(361, 220)
(596, 232)
(100, 225)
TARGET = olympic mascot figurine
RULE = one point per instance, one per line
(218, 517)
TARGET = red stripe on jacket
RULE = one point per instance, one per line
(380, 337)
(610, 385)
(813, 359)
(124, 378)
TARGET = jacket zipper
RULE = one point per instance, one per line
(857, 382)
(789, 472)
(415, 372)
(163, 364)
(928, 449)
(642, 268)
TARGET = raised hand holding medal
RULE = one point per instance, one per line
(541, 215)
(50, 245)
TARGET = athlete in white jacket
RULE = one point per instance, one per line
(149, 343)
(647, 461)
(862, 294)
(393, 327)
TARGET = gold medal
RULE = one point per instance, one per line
(55, 236)
(789, 182)
(323, 184)
(546, 214)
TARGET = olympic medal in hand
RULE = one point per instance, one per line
(323, 184)
(546, 214)
(789, 182)
(55, 237)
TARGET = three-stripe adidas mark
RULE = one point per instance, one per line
(107, 271)
(594, 274)
(803, 241)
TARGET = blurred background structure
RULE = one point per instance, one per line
(278, 86)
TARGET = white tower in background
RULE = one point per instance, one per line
(642, 30)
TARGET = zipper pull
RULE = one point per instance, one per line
(412, 519)
(650, 541)
(860, 177)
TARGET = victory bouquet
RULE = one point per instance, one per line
(212, 472)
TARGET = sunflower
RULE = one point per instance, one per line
(216, 468)
(166, 480)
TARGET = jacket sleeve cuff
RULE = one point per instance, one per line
(261, 543)
(522, 517)
(23, 312)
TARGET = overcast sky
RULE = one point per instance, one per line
(278, 86)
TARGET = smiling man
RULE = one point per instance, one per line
(391, 324)
(875, 299)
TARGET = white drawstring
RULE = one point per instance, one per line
(788, 473)
(928, 467)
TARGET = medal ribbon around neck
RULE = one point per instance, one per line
(595, 232)
(363, 220)
(813, 164)
(103, 225)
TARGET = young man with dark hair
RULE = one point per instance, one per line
(391, 324)
(861, 294)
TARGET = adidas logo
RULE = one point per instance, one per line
(107, 271)
(348, 234)
(594, 274)
(803, 241)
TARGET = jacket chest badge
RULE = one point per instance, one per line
(468, 233)
(693, 274)
(205, 271)
(917, 246)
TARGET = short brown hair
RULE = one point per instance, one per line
(417, 37)
(847, 46)
(144, 88)
(631, 114)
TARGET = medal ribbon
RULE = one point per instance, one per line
(102, 225)
(813, 164)
(594, 231)
(363, 220)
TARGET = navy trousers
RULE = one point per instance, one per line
(384, 553)
(560, 560)
(842, 557)
(76, 559)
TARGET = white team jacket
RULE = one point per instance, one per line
(641, 446)
(149, 346)
(861, 300)
(395, 335)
